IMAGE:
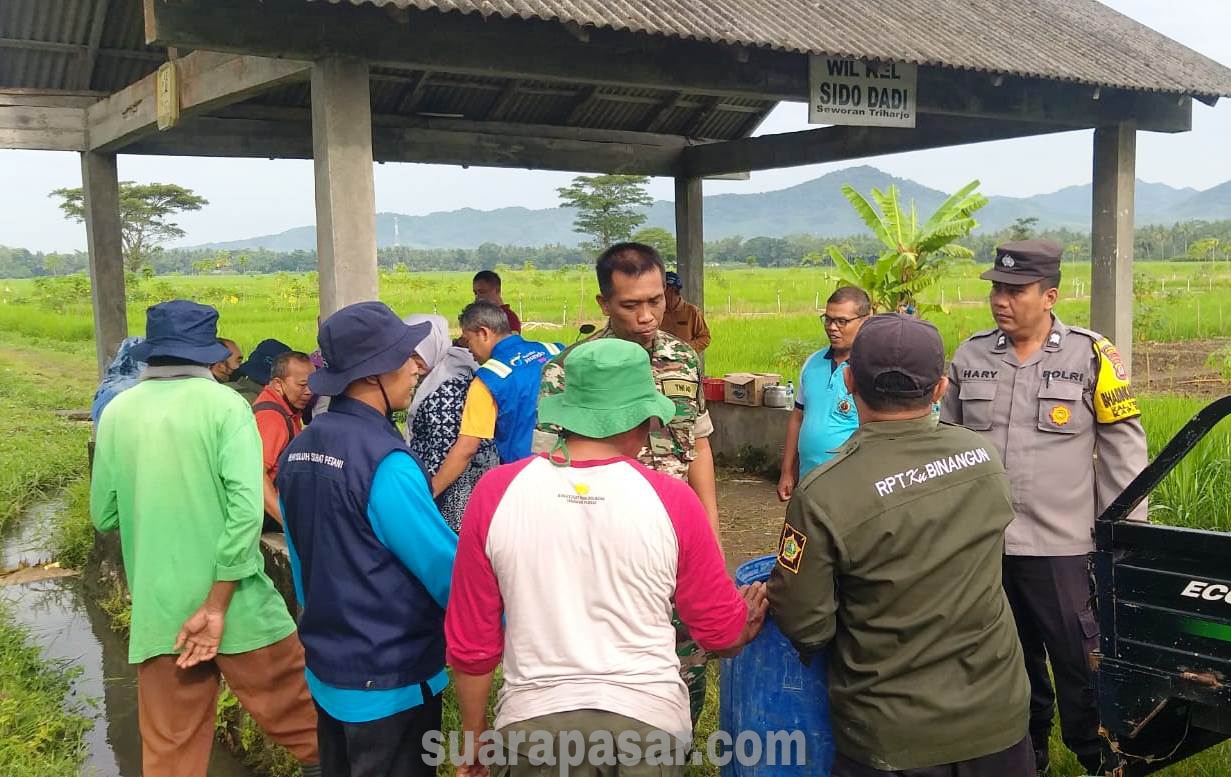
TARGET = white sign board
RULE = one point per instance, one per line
(852, 91)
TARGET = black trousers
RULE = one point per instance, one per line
(1051, 601)
(388, 747)
(1017, 761)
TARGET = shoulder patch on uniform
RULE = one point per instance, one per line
(791, 548)
(983, 333)
(1090, 333)
(1113, 393)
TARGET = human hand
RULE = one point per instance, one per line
(756, 596)
(471, 770)
(199, 637)
(786, 486)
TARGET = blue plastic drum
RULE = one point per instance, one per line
(766, 688)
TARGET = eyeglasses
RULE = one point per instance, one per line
(841, 323)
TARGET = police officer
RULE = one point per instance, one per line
(891, 557)
(1056, 402)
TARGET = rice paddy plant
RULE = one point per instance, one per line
(1197, 493)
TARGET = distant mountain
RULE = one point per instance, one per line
(816, 207)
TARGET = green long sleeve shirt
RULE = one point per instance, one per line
(178, 471)
(891, 556)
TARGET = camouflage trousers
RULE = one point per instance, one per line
(692, 666)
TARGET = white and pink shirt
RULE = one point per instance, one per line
(583, 562)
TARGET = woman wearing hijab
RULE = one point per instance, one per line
(435, 414)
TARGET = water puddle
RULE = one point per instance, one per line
(71, 628)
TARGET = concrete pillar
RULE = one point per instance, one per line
(101, 187)
(690, 239)
(345, 193)
(1111, 282)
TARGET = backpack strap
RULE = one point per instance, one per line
(290, 424)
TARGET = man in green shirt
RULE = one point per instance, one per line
(177, 470)
(891, 558)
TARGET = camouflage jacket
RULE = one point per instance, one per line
(677, 371)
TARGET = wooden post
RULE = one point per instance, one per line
(101, 187)
(345, 192)
(690, 239)
(1111, 272)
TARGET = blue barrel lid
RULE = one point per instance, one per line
(755, 571)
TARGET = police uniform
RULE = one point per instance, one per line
(891, 558)
(671, 450)
(1068, 428)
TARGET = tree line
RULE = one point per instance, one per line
(1191, 240)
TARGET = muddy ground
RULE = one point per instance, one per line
(1180, 368)
(751, 517)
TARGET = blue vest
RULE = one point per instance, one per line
(367, 622)
(512, 375)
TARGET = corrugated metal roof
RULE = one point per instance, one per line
(47, 40)
(1066, 40)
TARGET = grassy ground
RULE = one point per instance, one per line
(759, 316)
(41, 735)
(40, 451)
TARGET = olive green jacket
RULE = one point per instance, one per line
(891, 556)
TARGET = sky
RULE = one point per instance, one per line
(251, 197)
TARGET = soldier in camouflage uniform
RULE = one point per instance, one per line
(676, 366)
(631, 279)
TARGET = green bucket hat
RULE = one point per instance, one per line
(608, 389)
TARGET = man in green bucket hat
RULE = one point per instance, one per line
(581, 552)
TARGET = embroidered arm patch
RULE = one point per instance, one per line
(791, 548)
(1113, 393)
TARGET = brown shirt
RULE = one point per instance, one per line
(686, 322)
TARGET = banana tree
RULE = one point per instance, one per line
(916, 256)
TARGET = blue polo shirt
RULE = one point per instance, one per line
(829, 410)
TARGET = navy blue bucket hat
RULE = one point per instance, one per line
(181, 329)
(260, 362)
(362, 340)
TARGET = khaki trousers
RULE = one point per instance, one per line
(176, 706)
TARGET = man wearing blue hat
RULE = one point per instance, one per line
(684, 319)
(371, 555)
(184, 491)
(253, 375)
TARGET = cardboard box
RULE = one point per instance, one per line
(747, 388)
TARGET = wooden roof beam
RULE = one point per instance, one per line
(42, 127)
(657, 117)
(413, 93)
(208, 81)
(90, 58)
(214, 137)
(837, 144)
(584, 99)
(79, 49)
(704, 114)
(503, 100)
